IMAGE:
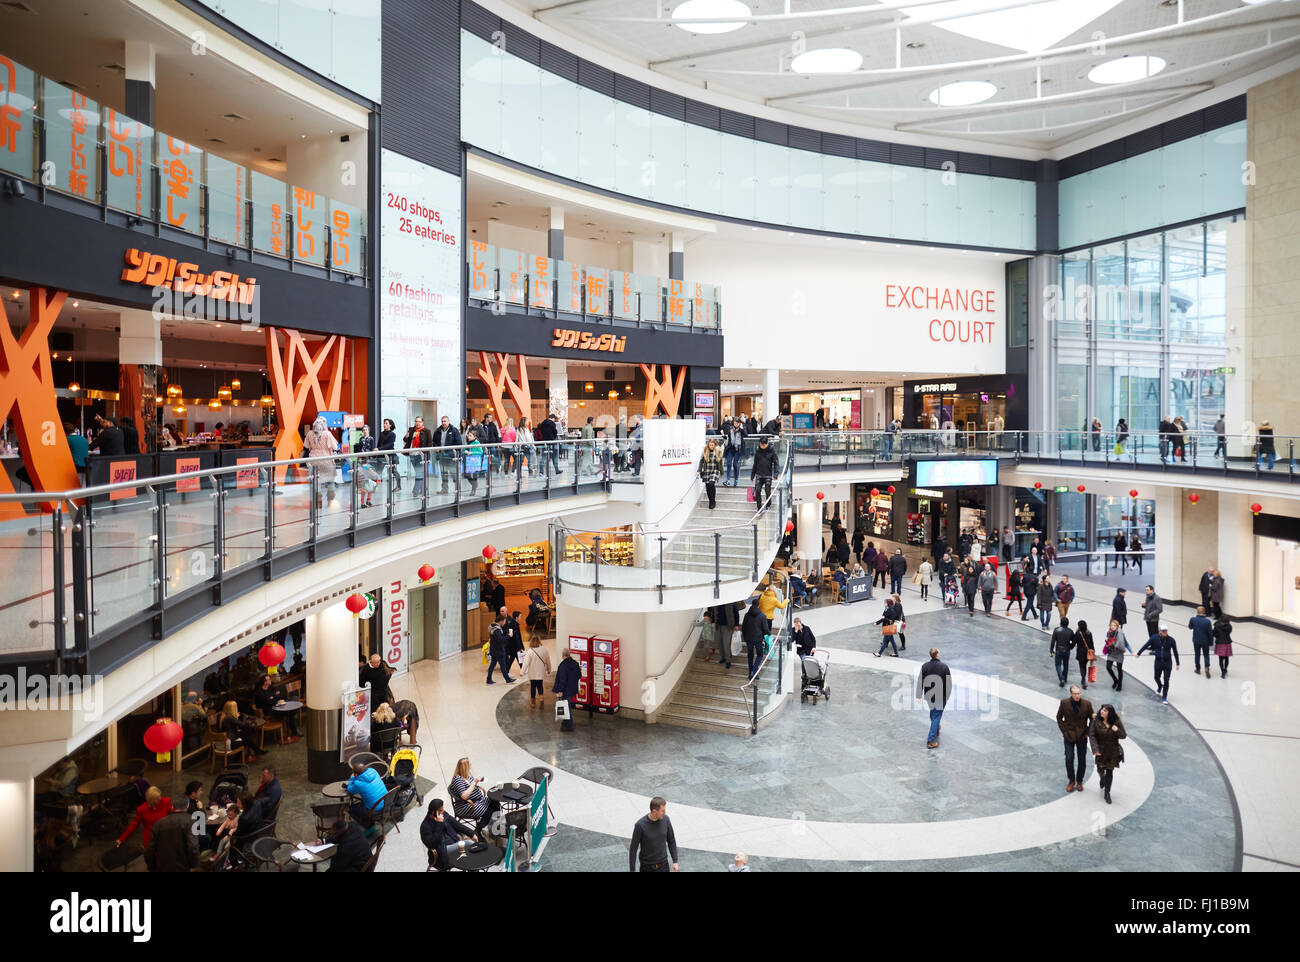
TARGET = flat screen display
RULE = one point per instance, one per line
(956, 474)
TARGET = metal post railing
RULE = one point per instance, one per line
(60, 599)
(661, 569)
(717, 564)
(596, 565)
(755, 527)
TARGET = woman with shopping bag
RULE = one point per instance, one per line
(474, 460)
(1086, 653)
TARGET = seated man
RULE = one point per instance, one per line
(443, 835)
(353, 851)
(252, 819)
(799, 590)
(369, 787)
(267, 696)
(268, 789)
(194, 722)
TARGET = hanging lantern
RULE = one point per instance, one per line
(891, 489)
(875, 492)
(821, 496)
(1038, 485)
(426, 573)
(267, 400)
(214, 405)
(236, 384)
(1193, 497)
(173, 390)
(1256, 508)
(161, 737)
(356, 604)
(223, 392)
(489, 552)
(1080, 489)
(1133, 493)
(271, 655)
(789, 526)
(74, 386)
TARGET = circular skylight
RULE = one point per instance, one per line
(1124, 70)
(699, 9)
(828, 60)
(962, 93)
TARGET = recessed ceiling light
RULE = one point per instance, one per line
(914, 44)
(76, 303)
(1126, 70)
(827, 60)
(962, 93)
(701, 9)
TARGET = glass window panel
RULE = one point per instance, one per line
(227, 192)
(180, 168)
(875, 198)
(521, 105)
(541, 281)
(703, 169)
(668, 150)
(739, 178)
(1071, 521)
(806, 189)
(347, 225)
(772, 168)
(1183, 169)
(482, 271)
(1018, 304)
(559, 125)
(597, 291)
(1075, 309)
(1110, 294)
(512, 269)
(261, 18)
(71, 134)
(841, 194)
(1128, 387)
(624, 286)
(309, 213)
(1145, 260)
(907, 212)
(355, 40)
(480, 92)
(270, 203)
(568, 276)
(1224, 152)
(306, 33)
(1006, 223)
(636, 171)
(942, 206)
(652, 298)
(974, 197)
(129, 145)
(1142, 193)
(17, 113)
(596, 156)
(1072, 395)
(1106, 213)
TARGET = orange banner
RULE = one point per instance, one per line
(246, 478)
(185, 466)
(121, 471)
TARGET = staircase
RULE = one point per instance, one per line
(735, 546)
(710, 698)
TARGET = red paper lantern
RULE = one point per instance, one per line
(271, 654)
(1193, 497)
(789, 526)
(489, 552)
(1081, 489)
(161, 737)
(1256, 508)
(1133, 493)
(821, 496)
(356, 604)
(891, 489)
(426, 573)
(1038, 485)
(875, 492)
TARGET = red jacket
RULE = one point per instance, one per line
(148, 817)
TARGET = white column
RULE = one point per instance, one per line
(140, 338)
(1169, 554)
(810, 530)
(1239, 399)
(1236, 557)
(18, 811)
(558, 384)
(332, 650)
(771, 394)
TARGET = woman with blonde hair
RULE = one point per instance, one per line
(153, 809)
(469, 801)
(509, 457)
(238, 731)
(537, 665)
(710, 469)
(383, 720)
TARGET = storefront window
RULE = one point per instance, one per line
(1071, 521)
(1031, 518)
(1277, 579)
(1120, 514)
(1128, 387)
(1075, 307)
(1071, 395)
(1145, 263)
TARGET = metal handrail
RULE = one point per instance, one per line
(691, 635)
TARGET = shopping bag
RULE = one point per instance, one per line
(737, 644)
(562, 712)
(1092, 673)
(916, 578)
(1119, 448)
(749, 493)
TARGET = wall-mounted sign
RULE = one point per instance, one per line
(704, 400)
(927, 493)
(951, 474)
(395, 631)
(121, 471)
(187, 466)
(1061, 488)
(246, 477)
(156, 270)
(933, 388)
(567, 337)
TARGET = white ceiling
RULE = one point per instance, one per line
(905, 57)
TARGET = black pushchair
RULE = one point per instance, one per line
(228, 786)
(815, 666)
(406, 765)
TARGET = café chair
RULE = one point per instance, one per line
(275, 728)
(374, 856)
(534, 776)
(389, 739)
(326, 814)
(116, 859)
(131, 768)
(221, 753)
(835, 591)
(266, 855)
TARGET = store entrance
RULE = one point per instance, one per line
(424, 622)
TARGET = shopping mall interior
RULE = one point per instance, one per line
(668, 368)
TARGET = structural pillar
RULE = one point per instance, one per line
(771, 394)
(558, 385)
(18, 805)
(1169, 557)
(677, 257)
(555, 240)
(140, 83)
(139, 355)
(332, 668)
(809, 531)
(1236, 553)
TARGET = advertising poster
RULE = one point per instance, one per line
(471, 594)
(121, 471)
(355, 736)
(187, 466)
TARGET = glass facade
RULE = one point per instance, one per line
(1138, 328)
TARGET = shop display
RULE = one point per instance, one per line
(915, 529)
(529, 559)
(616, 552)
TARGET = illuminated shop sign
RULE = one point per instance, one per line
(158, 270)
(953, 474)
(567, 337)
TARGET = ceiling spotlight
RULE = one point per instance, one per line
(962, 93)
(828, 60)
(699, 10)
(74, 386)
(76, 303)
(1126, 70)
(914, 44)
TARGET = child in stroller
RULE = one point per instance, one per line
(951, 591)
(814, 667)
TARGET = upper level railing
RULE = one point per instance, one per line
(98, 574)
(62, 140)
(1229, 455)
(510, 280)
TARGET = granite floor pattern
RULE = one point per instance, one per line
(860, 758)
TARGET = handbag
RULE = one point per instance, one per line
(1092, 673)
(1092, 656)
(562, 712)
(749, 493)
(916, 578)
(889, 630)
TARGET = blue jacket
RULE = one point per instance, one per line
(566, 678)
(1162, 648)
(1202, 630)
(369, 786)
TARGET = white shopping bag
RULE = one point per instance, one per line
(562, 710)
(737, 644)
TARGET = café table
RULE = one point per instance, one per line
(335, 790)
(288, 706)
(468, 861)
(313, 858)
(99, 786)
(511, 796)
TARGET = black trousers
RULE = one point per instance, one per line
(1164, 667)
(987, 594)
(711, 489)
(1076, 759)
(1116, 671)
(1202, 650)
(656, 866)
(762, 490)
(970, 603)
(1106, 776)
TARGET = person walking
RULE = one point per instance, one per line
(1220, 437)
(1059, 647)
(1114, 648)
(1096, 434)
(1121, 435)
(1264, 446)
(509, 453)
(762, 472)
(881, 571)
(752, 630)
(1029, 588)
(897, 568)
(1107, 753)
(1223, 643)
(1064, 595)
(497, 650)
(1008, 544)
(526, 447)
(321, 443)
(925, 574)
(416, 439)
(934, 687)
(803, 638)
(1014, 593)
(387, 441)
(1121, 549)
(710, 469)
(1179, 439)
(653, 839)
(1044, 599)
(537, 665)
(1202, 638)
(1085, 653)
(1203, 586)
(1135, 552)
(1119, 608)
(547, 433)
(567, 676)
(1165, 652)
(969, 585)
(1166, 429)
(988, 584)
(1074, 719)
(734, 436)
(888, 629)
(1152, 608)
(1216, 594)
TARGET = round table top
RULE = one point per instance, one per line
(312, 858)
(478, 861)
(96, 786)
(508, 794)
(288, 706)
(335, 790)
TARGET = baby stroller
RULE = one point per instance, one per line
(951, 592)
(229, 785)
(815, 667)
(405, 766)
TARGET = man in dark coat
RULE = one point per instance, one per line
(548, 430)
(1119, 608)
(567, 676)
(130, 436)
(934, 687)
(514, 638)
(763, 471)
(446, 436)
(110, 440)
(376, 675)
(803, 638)
(173, 847)
(353, 851)
(897, 568)
(1207, 576)
(497, 649)
(1165, 650)
(496, 596)
(1074, 719)
(752, 630)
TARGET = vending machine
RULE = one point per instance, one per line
(604, 674)
(580, 649)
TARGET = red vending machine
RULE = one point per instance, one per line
(604, 674)
(580, 648)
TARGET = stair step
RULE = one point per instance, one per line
(686, 720)
(702, 707)
(700, 690)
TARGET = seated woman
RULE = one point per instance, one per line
(382, 722)
(800, 591)
(240, 731)
(469, 801)
(841, 575)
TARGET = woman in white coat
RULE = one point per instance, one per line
(537, 665)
